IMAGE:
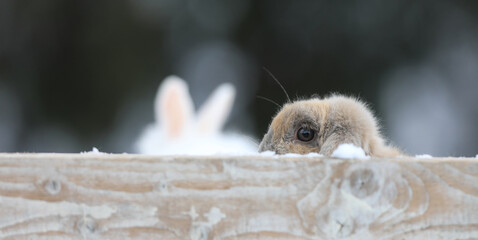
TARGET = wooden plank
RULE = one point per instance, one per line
(73, 196)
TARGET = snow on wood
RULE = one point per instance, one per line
(103, 196)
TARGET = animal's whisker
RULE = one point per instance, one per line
(277, 81)
(269, 100)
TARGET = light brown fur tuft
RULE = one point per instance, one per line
(336, 120)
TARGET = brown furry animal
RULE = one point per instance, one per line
(321, 125)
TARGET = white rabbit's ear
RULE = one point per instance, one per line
(174, 109)
(214, 112)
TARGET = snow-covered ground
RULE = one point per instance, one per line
(348, 151)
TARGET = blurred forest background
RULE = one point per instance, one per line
(78, 74)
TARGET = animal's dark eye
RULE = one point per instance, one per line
(305, 134)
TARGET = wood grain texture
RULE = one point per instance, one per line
(73, 196)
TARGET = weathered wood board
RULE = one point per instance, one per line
(73, 196)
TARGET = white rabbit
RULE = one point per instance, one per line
(179, 130)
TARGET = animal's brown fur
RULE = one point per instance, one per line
(337, 119)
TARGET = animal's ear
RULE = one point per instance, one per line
(267, 142)
(214, 112)
(174, 109)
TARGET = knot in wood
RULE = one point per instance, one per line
(87, 226)
(162, 187)
(199, 232)
(52, 186)
(363, 183)
(344, 225)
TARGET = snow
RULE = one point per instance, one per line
(349, 151)
(308, 155)
(94, 150)
(313, 154)
(288, 155)
(292, 155)
(424, 156)
(267, 153)
(214, 216)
